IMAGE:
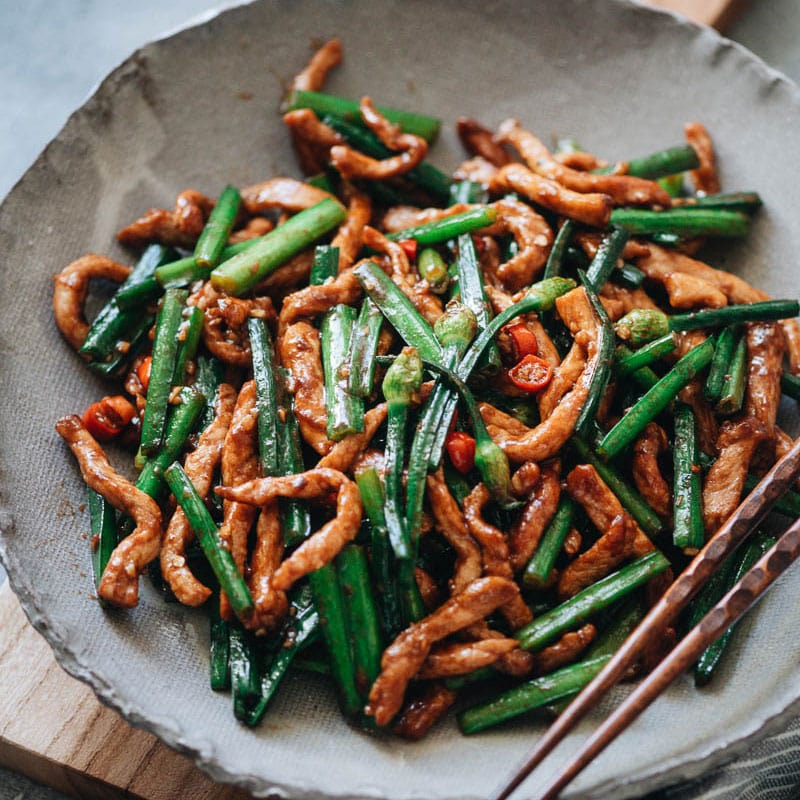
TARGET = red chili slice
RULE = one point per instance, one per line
(106, 418)
(410, 247)
(143, 372)
(523, 339)
(531, 374)
(461, 449)
(480, 244)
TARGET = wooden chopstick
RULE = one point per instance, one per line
(686, 585)
(737, 602)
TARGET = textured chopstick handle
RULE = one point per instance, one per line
(688, 583)
(740, 599)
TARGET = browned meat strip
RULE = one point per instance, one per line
(609, 551)
(601, 505)
(323, 545)
(547, 350)
(578, 159)
(479, 141)
(422, 713)
(369, 459)
(476, 169)
(689, 291)
(449, 521)
(312, 77)
(225, 322)
(494, 553)
(398, 218)
(489, 259)
(306, 125)
(498, 420)
(349, 236)
(311, 139)
(291, 275)
(590, 242)
(354, 164)
(199, 467)
(576, 312)
(629, 298)
(614, 308)
(500, 300)
(606, 416)
(416, 290)
(591, 209)
(535, 517)
(572, 543)
(791, 332)
(462, 657)
(313, 300)
(428, 590)
(623, 189)
(120, 582)
(516, 663)
(178, 228)
(564, 376)
(287, 194)
(705, 178)
(661, 263)
(239, 463)
(270, 604)
(312, 158)
(257, 226)
(524, 480)
(646, 472)
(707, 425)
(725, 480)
(403, 658)
(533, 237)
(345, 452)
(300, 353)
(71, 287)
(565, 650)
(765, 349)
(546, 439)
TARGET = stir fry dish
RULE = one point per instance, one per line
(443, 439)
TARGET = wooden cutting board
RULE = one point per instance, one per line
(54, 730)
(716, 13)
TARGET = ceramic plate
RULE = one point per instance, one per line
(199, 109)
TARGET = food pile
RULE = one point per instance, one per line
(436, 437)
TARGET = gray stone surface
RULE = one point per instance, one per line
(54, 54)
(56, 51)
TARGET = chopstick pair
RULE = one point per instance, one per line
(729, 609)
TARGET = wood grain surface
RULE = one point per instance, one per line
(716, 13)
(54, 730)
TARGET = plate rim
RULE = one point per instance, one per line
(169, 730)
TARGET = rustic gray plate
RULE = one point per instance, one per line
(199, 109)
